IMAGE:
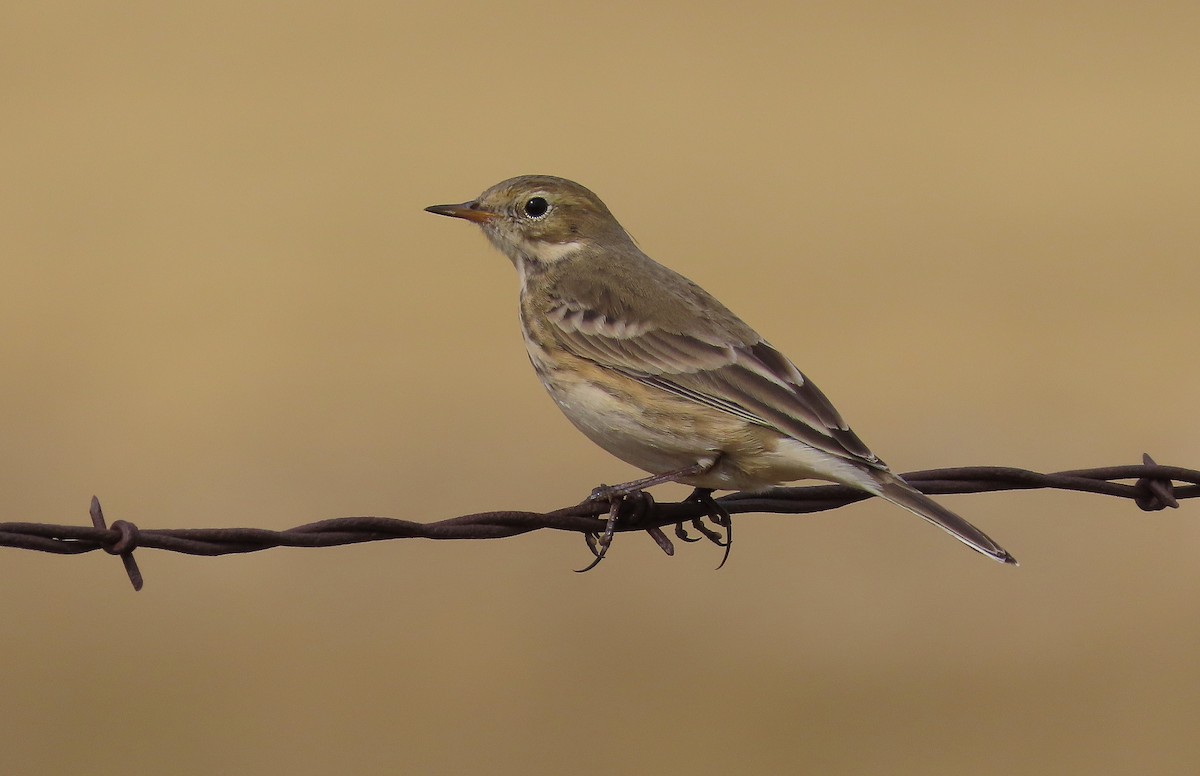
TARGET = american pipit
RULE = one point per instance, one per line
(659, 373)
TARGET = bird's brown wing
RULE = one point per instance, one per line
(719, 362)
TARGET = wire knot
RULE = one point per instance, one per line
(127, 539)
(1155, 493)
(126, 542)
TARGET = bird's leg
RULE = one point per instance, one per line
(720, 517)
(608, 492)
(634, 491)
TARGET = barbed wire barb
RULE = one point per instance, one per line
(1155, 487)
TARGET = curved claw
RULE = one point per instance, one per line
(682, 534)
(720, 517)
(590, 566)
(713, 536)
(599, 547)
(727, 521)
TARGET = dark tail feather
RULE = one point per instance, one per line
(902, 494)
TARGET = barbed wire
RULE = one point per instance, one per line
(1155, 487)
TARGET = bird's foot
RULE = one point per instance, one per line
(641, 503)
(717, 514)
(624, 504)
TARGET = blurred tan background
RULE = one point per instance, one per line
(222, 305)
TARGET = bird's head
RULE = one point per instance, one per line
(540, 219)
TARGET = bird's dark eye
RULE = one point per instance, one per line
(536, 207)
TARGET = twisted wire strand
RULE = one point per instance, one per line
(1155, 487)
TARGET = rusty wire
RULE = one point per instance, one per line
(1155, 487)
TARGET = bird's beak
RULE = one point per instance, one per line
(471, 211)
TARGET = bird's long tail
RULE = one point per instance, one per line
(902, 494)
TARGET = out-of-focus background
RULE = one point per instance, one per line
(222, 305)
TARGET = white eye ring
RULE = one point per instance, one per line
(535, 207)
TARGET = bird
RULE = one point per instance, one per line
(659, 373)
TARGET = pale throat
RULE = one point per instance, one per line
(520, 249)
(540, 255)
(549, 252)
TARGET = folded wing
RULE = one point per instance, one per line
(728, 368)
